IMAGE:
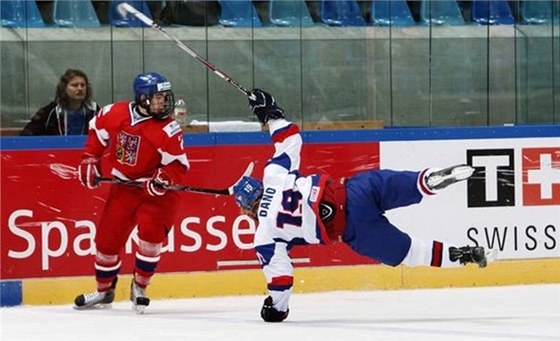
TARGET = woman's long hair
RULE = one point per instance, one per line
(60, 97)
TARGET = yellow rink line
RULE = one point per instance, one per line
(251, 282)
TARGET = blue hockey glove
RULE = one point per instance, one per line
(270, 314)
(264, 106)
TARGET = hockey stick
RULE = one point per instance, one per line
(125, 8)
(68, 172)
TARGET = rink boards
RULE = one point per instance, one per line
(511, 204)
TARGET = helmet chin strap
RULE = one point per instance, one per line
(142, 109)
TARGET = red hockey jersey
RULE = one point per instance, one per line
(137, 145)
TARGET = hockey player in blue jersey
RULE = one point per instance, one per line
(295, 209)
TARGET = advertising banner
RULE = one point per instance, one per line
(48, 222)
(511, 203)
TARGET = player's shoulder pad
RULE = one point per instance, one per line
(118, 106)
(105, 109)
(172, 128)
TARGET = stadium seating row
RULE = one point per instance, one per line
(295, 13)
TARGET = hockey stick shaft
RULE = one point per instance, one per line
(69, 172)
(170, 187)
(126, 8)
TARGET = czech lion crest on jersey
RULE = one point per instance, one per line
(127, 148)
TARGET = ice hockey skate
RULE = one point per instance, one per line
(469, 254)
(138, 298)
(95, 299)
(442, 178)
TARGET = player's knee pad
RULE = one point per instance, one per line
(149, 249)
(106, 259)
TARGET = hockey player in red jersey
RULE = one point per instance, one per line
(144, 144)
(295, 209)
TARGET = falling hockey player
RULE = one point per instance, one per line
(293, 209)
(145, 144)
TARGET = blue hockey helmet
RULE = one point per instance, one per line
(146, 85)
(247, 192)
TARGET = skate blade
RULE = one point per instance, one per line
(491, 255)
(139, 309)
(459, 173)
(99, 306)
(462, 172)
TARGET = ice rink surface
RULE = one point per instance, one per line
(494, 313)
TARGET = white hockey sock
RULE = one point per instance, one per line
(429, 253)
(422, 185)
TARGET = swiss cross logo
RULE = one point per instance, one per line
(541, 176)
(493, 183)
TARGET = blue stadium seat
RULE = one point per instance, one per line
(130, 20)
(437, 12)
(341, 13)
(21, 13)
(536, 12)
(69, 13)
(390, 13)
(293, 13)
(492, 12)
(239, 13)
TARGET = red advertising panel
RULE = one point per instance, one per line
(48, 222)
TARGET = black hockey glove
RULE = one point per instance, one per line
(264, 106)
(270, 314)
